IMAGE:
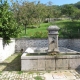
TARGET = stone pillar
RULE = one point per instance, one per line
(53, 38)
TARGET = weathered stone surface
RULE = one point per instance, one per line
(61, 63)
(74, 63)
(41, 57)
(53, 38)
(27, 65)
(29, 57)
(41, 65)
(50, 57)
(24, 43)
(50, 64)
(53, 28)
(55, 62)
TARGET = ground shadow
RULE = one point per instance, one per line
(78, 69)
(14, 65)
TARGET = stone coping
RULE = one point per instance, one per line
(67, 54)
(58, 56)
(61, 50)
(24, 38)
(53, 27)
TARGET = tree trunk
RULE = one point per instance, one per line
(25, 29)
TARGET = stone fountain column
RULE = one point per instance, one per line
(53, 38)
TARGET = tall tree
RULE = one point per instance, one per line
(25, 13)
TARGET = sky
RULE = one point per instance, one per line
(55, 2)
(58, 2)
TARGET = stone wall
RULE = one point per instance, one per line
(24, 43)
(73, 44)
(7, 49)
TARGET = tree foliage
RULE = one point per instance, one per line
(77, 5)
(8, 26)
(33, 13)
(68, 10)
(77, 15)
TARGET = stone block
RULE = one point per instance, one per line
(74, 63)
(61, 64)
(50, 64)
(41, 64)
(27, 65)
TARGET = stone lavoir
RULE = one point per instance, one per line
(63, 59)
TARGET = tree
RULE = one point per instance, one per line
(29, 13)
(77, 5)
(77, 14)
(25, 14)
(68, 10)
(8, 26)
(41, 11)
(56, 11)
(50, 10)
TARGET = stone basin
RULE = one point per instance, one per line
(50, 62)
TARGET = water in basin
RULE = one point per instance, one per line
(44, 51)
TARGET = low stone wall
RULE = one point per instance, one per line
(24, 43)
(7, 49)
(30, 63)
(73, 44)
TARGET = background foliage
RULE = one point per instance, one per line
(24, 18)
(8, 25)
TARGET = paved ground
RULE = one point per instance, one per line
(44, 75)
(10, 70)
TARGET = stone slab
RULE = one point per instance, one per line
(41, 65)
(61, 64)
(50, 64)
(28, 65)
(74, 63)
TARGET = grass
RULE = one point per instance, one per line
(38, 78)
(19, 72)
(68, 29)
(67, 24)
(33, 32)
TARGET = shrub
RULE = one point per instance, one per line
(40, 34)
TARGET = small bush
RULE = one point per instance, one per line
(40, 34)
